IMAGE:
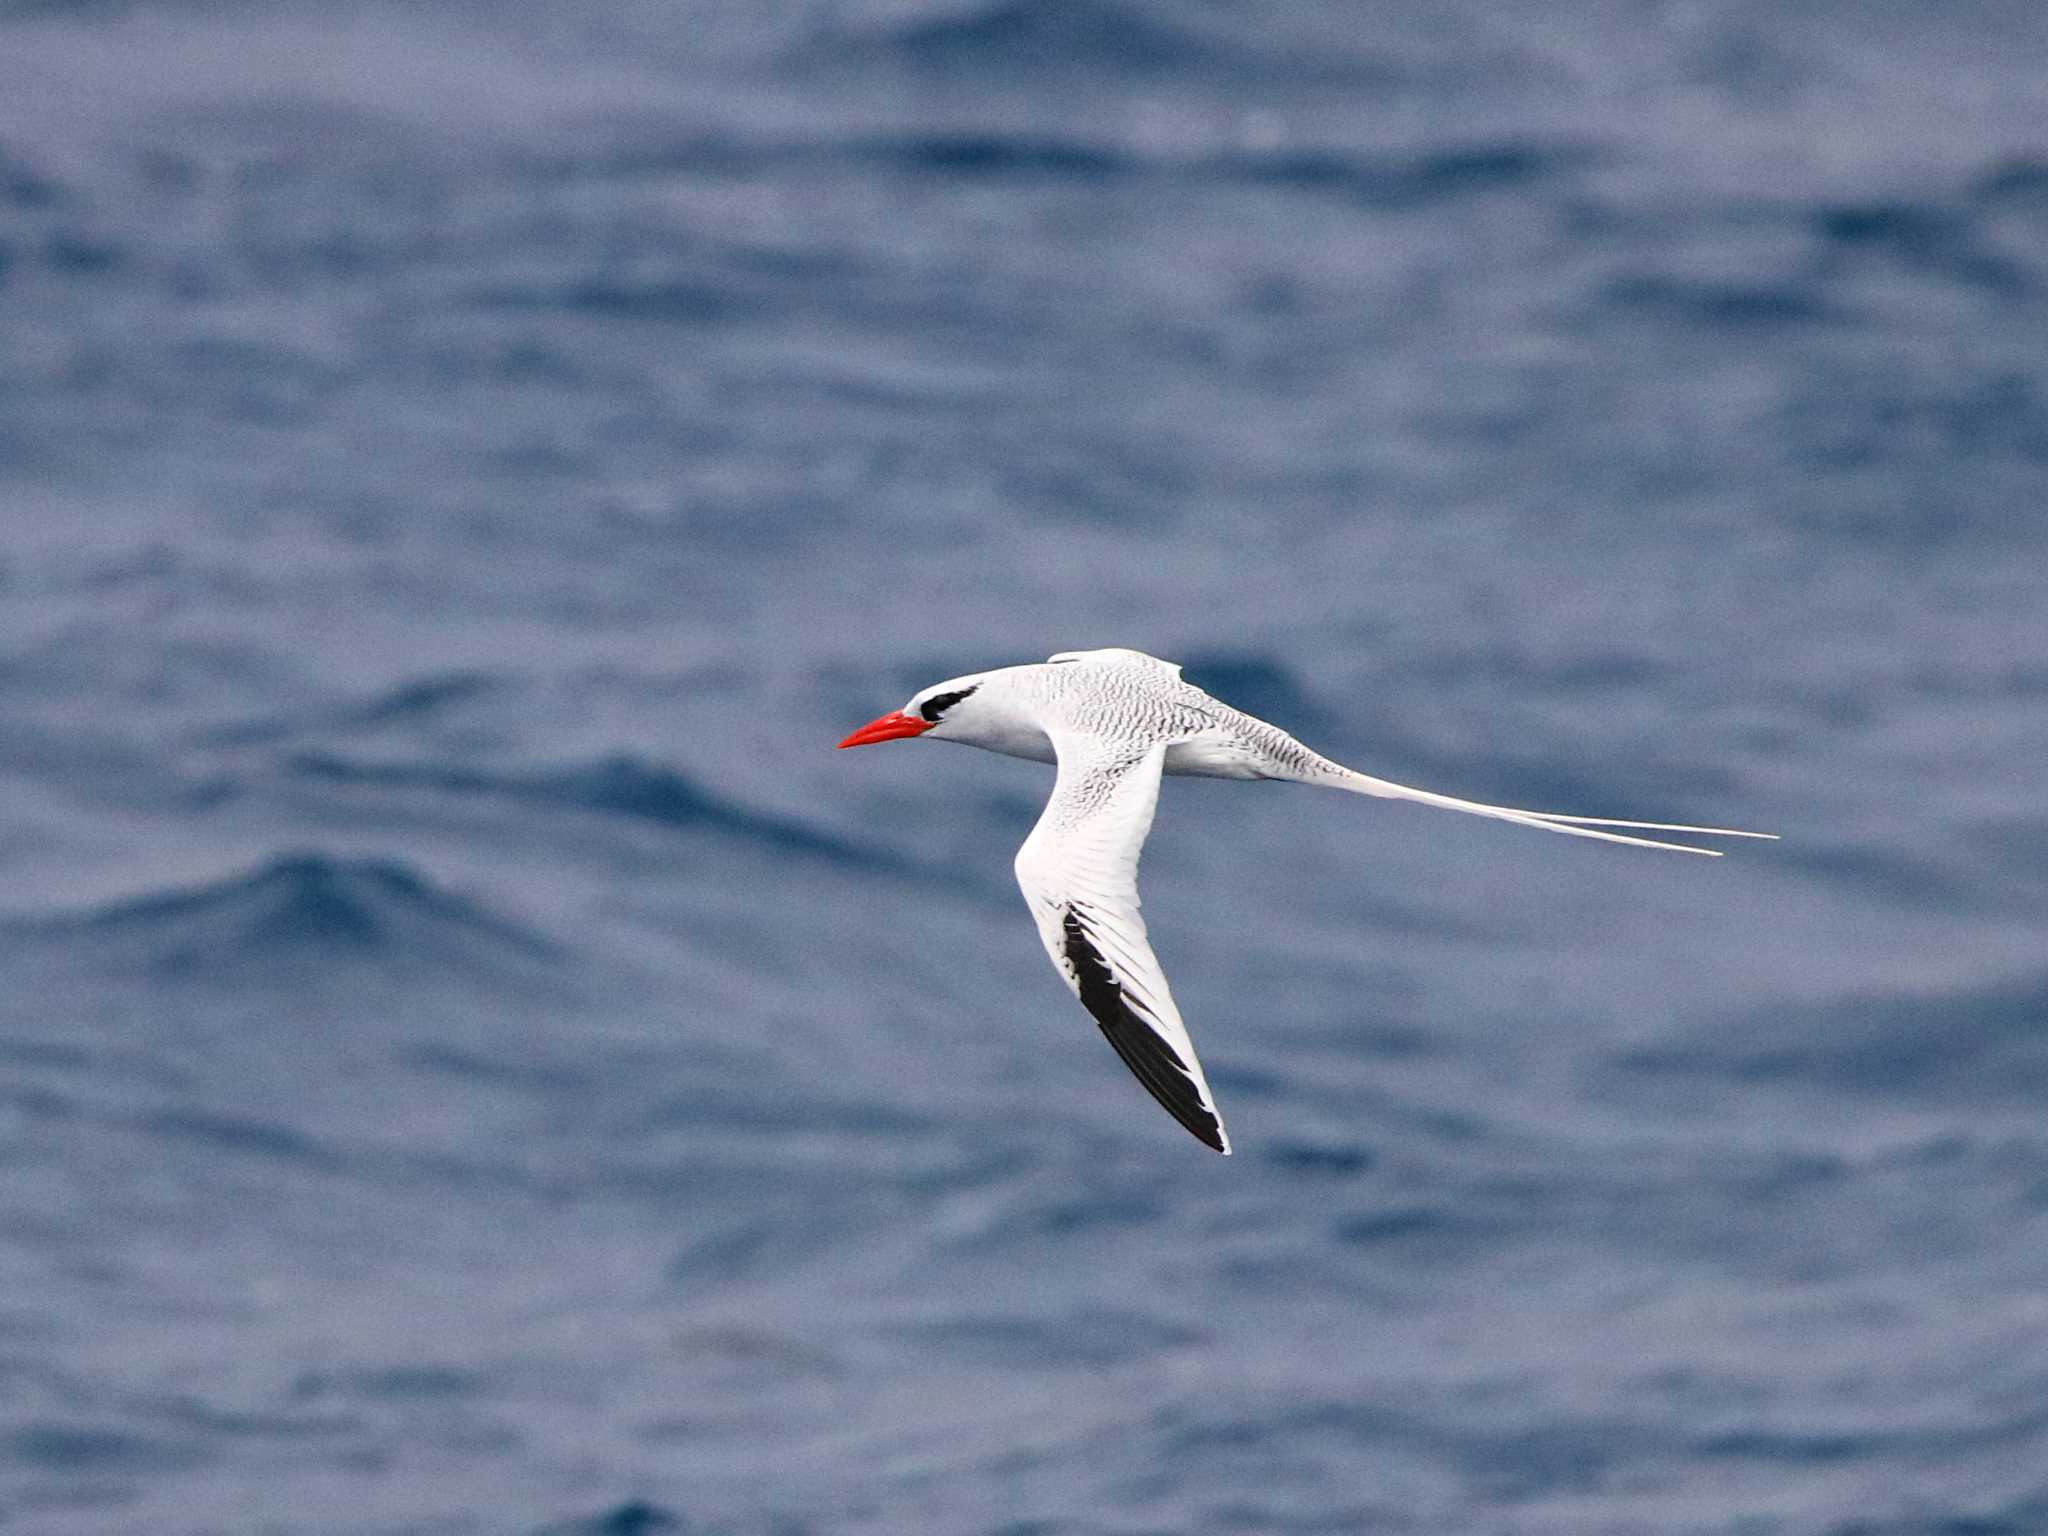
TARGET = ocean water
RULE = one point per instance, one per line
(473, 1059)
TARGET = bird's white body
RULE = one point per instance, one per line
(1114, 721)
(1116, 695)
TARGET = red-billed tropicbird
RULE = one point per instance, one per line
(1114, 720)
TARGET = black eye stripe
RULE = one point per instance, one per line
(939, 703)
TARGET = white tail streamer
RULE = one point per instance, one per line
(1571, 826)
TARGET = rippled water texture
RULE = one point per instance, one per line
(474, 1060)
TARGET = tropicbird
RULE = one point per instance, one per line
(1113, 721)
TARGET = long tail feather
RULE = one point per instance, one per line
(1651, 826)
(1571, 826)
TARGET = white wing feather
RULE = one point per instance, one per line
(1079, 873)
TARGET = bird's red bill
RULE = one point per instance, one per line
(888, 728)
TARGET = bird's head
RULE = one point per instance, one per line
(956, 710)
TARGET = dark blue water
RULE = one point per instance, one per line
(474, 1060)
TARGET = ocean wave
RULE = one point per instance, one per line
(1391, 179)
(243, 1136)
(1513, 1457)
(2021, 181)
(1090, 1337)
(1012, 36)
(2023, 1516)
(1924, 881)
(1437, 174)
(415, 702)
(1984, 1042)
(1318, 1160)
(636, 1517)
(729, 298)
(620, 785)
(96, 1449)
(26, 187)
(1430, 1236)
(411, 1382)
(1711, 304)
(995, 155)
(1924, 238)
(293, 913)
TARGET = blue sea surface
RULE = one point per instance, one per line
(474, 1060)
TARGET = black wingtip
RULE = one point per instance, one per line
(1151, 1060)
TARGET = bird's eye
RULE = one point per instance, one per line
(939, 703)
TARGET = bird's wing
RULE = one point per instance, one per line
(1079, 871)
